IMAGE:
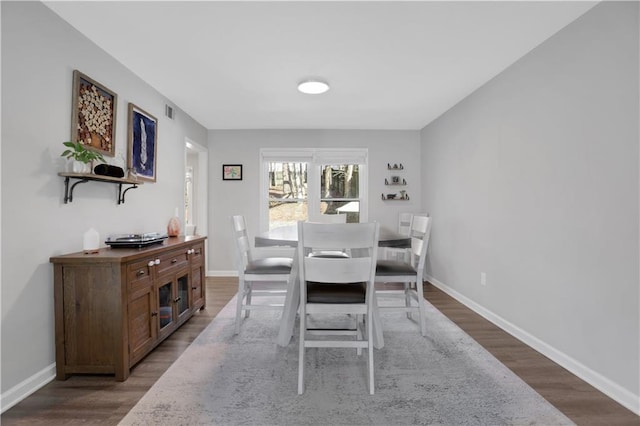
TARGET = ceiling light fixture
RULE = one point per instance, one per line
(313, 87)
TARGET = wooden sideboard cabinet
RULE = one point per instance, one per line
(113, 307)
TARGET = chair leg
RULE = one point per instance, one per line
(370, 351)
(407, 297)
(240, 297)
(248, 289)
(301, 350)
(422, 309)
(359, 334)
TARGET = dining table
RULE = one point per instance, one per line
(287, 236)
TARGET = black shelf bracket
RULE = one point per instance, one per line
(121, 193)
(68, 192)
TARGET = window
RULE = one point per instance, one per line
(303, 185)
(339, 190)
(287, 193)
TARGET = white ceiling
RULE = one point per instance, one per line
(391, 65)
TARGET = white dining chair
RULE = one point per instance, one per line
(331, 218)
(258, 267)
(337, 286)
(410, 273)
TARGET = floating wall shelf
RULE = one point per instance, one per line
(86, 177)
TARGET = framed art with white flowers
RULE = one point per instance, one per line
(93, 117)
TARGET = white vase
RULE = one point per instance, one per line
(80, 167)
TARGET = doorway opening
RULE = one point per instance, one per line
(195, 189)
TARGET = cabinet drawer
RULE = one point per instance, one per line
(197, 255)
(139, 273)
(173, 261)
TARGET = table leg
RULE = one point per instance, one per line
(291, 302)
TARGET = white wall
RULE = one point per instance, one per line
(39, 54)
(533, 179)
(227, 198)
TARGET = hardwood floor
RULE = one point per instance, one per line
(99, 400)
(579, 401)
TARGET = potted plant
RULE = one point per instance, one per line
(81, 156)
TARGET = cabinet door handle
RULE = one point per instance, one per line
(174, 260)
(141, 272)
(157, 261)
(151, 263)
(194, 288)
(154, 314)
(177, 299)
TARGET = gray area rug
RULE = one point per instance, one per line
(445, 378)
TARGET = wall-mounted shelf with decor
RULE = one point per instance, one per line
(395, 197)
(86, 177)
(395, 181)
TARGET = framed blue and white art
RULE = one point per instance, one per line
(142, 152)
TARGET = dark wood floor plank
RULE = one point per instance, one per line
(100, 400)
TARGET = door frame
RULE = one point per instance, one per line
(201, 187)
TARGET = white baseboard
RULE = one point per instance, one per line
(595, 379)
(28, 386)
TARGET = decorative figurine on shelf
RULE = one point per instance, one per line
(404, 181)
(401, 166)
(386, 182)
(403, 194)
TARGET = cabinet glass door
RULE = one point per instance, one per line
(183, 294)
(165, 301)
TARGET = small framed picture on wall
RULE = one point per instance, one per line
(232, 172)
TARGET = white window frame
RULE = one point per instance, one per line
(315, 157)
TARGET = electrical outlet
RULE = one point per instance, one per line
(483, 278)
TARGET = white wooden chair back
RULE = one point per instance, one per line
(358, 238)
(243, 245)
(332, 218)
(420, 234)
(404, 223)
